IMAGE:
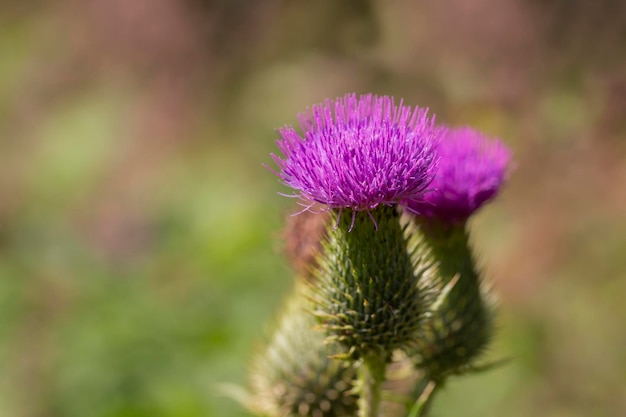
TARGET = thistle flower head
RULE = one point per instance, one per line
(359, 153)
(471, 171)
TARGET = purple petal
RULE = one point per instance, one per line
(471, 171)
(359, 153)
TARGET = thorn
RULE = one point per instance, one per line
(446, 290)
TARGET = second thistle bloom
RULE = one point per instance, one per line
(471, 172)
(460, 324)
(359, 153)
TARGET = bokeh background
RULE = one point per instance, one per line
(140, 250)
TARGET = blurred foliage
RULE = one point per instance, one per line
(139, 233)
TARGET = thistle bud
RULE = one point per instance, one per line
(460, 322)
(296, 374)
(303, 235)
(367, 295)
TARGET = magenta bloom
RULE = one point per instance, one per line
(471, 171)
(359, 153)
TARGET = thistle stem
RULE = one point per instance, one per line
(371, 377)
(425, 400)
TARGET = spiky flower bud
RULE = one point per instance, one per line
(296, 375)
(460, 324)
(367, 293)
(303, 236)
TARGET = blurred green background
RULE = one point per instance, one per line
(140, 252)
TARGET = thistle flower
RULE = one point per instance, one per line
(364, 156)
(471, 171)
(359, 153)
(460, 325)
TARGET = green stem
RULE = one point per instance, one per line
(424, 402)
(371, 377)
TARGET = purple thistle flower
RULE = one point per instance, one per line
(471, 171)
(359, 153)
